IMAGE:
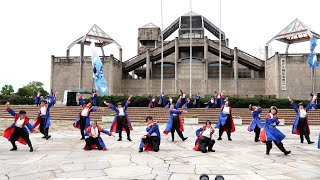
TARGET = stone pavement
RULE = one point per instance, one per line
(62, 157)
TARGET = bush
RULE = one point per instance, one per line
(16, 100)
(143, 101)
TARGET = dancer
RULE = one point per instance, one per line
(211, 103)
(196, 101)
(185, 106)
(175, 122)
(94, 98)
(83, 120)
(150, 141)
(43, 117)
(18, 131)
(183, 97)
(121, 121)
(153, 102)
(204, 138)
(169, 102)
(162, 101)
(225, 121)
(301, 124)
(37, 99)
(256, 123)
(271, 133)
(94, 140)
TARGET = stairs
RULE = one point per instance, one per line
(138, 114)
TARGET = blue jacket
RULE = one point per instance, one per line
(256, 120)
(272, 133)
(153, 129)
(114, 124)
(295, 129)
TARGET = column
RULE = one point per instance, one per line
(266, 54)
(121, 74)
(252, 74)
(176, 50)
(235, 70)
(276, 74)
(148, 71)
(81, 65)
(111, 75)
(52, 73)
(205, 57)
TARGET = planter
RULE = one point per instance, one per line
(282, 122)
(191, 120)
(107, 118)
(237, 120)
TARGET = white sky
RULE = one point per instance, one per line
(31, 31)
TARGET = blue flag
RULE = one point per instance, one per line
(100, 82)
(312, 59)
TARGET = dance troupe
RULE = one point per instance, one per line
(18, 131)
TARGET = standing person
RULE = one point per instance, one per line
(225, 121)
(183, 97)
(256, 123)
(204, 138)
(94, 98)
(43, 117)
(153, 102)
(150, 141)
(271, 133)
(94, 140)
(83, 120)
(121, 121)
(37, 99)
(301, 124)
(18, 131)
(185, 106)
(175, 122)
(210, 103)
(169, 102)
(196, 101)
(162, 101)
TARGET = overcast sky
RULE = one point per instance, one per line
(31, 31)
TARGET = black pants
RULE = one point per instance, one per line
(122, 123)
(197, 103)
(43, 130)
(183, 100)
(303, 128)
(218, 103)
(205, 142)
(19, 132)
(93, 141)
(269, 146)
(83, 120)
(257, 132)
(226, 125)
(154, 140)
(176, 127)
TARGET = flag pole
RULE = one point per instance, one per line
(190, 95)
(161, 89)
(220, 50)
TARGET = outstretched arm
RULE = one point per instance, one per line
(10, 111)
(111, 106)
(310, 105)
(127, 103)
(255, 113)
(106, 132)
(29, 126)
(294, 106)
(81, 101)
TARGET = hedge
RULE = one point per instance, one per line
(143, 101)
(16, 100)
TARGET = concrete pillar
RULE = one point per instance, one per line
(138, 45)
(266, 54)
(205, 57)
(81, 65)
(235, 70)
(111, 75)
(277, 74)
(52, 73)
(227, 42)
(120, 55)
(68, 53)
(102, 50)
(176, 57)
(148, 71)
(252, 74)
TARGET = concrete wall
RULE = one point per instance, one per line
(65, 74)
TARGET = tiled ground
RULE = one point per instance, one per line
(62, 157)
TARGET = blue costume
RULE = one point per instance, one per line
(153, 102)
(256, 123)
(152, 141)
(95, 142)
(271, 133)
(37, 99)
(211, 103)
(225, 123)
(202, 142)
(94, 99)
(162, 101)
(196, 101)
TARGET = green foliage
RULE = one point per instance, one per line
(143, 101)
(31, 88)
(6, 90)
(16, 100)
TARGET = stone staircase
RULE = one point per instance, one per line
(138, 114)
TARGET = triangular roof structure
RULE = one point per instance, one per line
(95, 34)
(149, 25)
(295, 32)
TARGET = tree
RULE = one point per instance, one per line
(6, 90)
(31, 88)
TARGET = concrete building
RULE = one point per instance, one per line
(242, 74)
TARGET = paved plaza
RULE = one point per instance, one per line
(62, 157)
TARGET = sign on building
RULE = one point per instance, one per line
(283, 75)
